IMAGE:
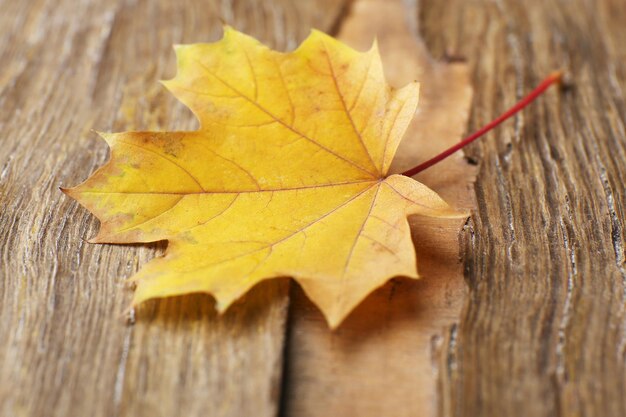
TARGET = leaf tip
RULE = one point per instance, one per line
(316, 33)
(374, 47)
(336, 318)
(221, 306)
(71, 192)
(108, 137)
(104, 234)
(168, 84)
(333, 324)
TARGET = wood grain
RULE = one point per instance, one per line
(543, 332)
(68, 67)
(380, 361)
(540, 329)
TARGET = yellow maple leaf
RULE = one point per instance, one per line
(287, 176)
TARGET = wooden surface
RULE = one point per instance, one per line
(539, 329)
(381, 356)
(65, 348)
(543, 331)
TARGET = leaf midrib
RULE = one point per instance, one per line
(272, 190)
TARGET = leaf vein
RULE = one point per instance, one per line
(182, 168)
(281, 122)
(228, 192)
(360, 232)
(289, 236)
(357, 132)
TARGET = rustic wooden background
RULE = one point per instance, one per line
(537, 327)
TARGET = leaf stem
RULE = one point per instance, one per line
(555, 77)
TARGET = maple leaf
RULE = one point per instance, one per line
(287, 176)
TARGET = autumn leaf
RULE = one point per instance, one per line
(287, 176)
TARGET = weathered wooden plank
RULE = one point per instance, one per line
(543, 331)
(379, 362)
(67, 67)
